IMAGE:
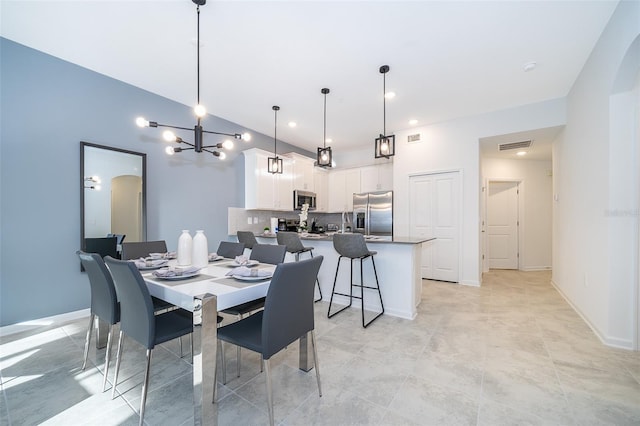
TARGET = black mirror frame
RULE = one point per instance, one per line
(143, 158)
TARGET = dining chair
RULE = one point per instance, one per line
(264, 253)
(104, 246)
(247, 238)
(294, 246)
(104, 304)
(230, 249)
(140, 249)
(138, 321)
(288, 315)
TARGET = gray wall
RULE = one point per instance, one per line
(47, 107)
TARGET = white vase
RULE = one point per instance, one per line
(185, 248)
(200, 257)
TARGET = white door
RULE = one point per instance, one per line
(502, 225)
(434, 212)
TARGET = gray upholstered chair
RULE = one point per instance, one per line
(287, 316)
(353, 247)
(229, 249)
(263, 253)
(247, 238)
(137, 319)
(294, 245)
(104, 304)
(142, 249)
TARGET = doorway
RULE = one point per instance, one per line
(503, 221)
(434, 212)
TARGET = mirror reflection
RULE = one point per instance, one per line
(113, 195)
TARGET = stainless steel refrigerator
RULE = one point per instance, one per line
(373, 213)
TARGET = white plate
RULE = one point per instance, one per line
(216, 259)
(252, 278)
(249, 263)
(184, 276)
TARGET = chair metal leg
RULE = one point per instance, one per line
(107, 357)
(145, 387)
(377, 287)
(315, 360)
(118, 358)
(267, 368)
(333, 291)
(224, 363)
(238, 361)
(88, 341)
(180, 342)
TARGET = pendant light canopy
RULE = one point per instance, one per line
(200, 112)
(274, 164)
(324, 154)
(385, 144)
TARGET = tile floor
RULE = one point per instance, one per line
(509, 353)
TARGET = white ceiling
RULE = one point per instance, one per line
(448, 59)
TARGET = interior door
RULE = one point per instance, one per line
(502, 225)
(434, 212)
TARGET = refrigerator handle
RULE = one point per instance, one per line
(367, 226)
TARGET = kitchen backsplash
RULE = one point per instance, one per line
(240, 219)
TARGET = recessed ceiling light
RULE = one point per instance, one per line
(413, 122)
(292, 124)
(529, 66)
(390, 95)
(521, 153)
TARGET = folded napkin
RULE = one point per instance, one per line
(175, 272)
(169, 255)
(243, 271)
(241, 260)
(149, 262)
(213, 256)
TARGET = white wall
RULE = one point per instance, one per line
(454, 145)
(535, 206)
(595, 178)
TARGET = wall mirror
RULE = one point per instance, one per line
(113, 185)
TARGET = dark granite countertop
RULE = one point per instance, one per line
(371, 239)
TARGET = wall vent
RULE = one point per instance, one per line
(413, 138)
(515, 145)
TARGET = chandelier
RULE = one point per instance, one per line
(324, 154)
(385, 144)
(200, 111)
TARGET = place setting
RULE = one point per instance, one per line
(244, 273)
(150, 263)
(173, 273)
(243, 261)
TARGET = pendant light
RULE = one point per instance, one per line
(274, 164)
(200, 112)
(385, 144)
(324, 154)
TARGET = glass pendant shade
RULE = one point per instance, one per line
(274, 164)
(324, 157)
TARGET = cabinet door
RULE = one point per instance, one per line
(385, 177)
(320, 180)
(369, 179)
(283, 192)
(302, 171)
(336, 191)
(352, 186)
(259, 187)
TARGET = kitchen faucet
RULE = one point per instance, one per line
(345, 221)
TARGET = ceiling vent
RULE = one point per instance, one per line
(515, 145)
(413, 138)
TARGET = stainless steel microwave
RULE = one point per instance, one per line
(304, 197)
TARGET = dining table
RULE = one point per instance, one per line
(207, 292)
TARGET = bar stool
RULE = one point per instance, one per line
(292, 241)
(353, 247)
(247, 238)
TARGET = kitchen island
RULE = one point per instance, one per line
(398, 263)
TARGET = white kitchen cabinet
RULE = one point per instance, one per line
(302, 169)
(264, 190)
(376, 178)
(342, 185)
(321, 182)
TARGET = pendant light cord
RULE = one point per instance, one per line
(384, 104)
(275, 130)
(198, 57)
(324, 134)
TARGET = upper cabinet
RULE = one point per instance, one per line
(376, 178)
(264, 190)
(342, 185)
(321, 183)
(302, 168)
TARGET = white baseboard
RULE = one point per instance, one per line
(535, 268)
(43, 322)
(471, 283)
(614, 342)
